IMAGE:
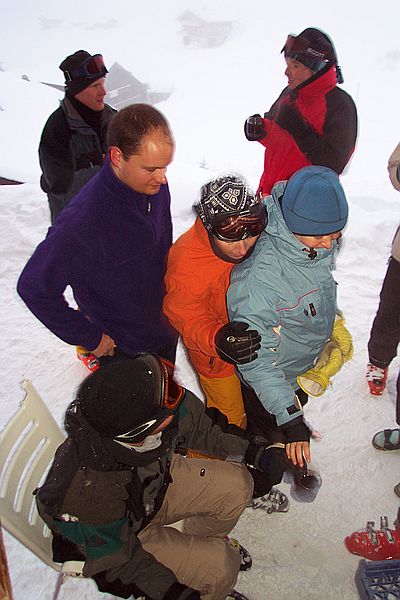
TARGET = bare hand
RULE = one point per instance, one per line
(295, 451)
(106, 346)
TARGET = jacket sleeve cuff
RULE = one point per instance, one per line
(296, 431)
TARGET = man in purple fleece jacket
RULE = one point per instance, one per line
(110, 245)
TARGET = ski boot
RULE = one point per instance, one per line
(274, 501)
(305, 482)
(375, 544)
(245, 557)
(89, 359)
(376, 378)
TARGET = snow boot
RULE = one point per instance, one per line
(376, 378)
(234, 595)
(89, 359)
(375, 544)
(245, 556)
(305, 483)
(274, 501)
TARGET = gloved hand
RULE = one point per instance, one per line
(254, 128)
(336, 352)
(235, 345)
(179, 591)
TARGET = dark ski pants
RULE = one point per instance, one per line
(385, 331)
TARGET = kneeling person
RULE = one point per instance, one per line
(121, 478)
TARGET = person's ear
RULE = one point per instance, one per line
(115, 156)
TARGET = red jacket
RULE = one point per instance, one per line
(195, 302)
(314, 124)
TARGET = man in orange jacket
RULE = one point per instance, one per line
(230, 221)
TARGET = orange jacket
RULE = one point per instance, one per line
(195, 301)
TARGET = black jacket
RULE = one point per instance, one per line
(70, 153)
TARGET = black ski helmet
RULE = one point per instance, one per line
(127, 400)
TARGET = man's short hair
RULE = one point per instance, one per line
(131, 124)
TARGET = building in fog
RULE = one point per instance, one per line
(205, 34)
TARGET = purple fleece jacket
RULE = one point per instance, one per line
(110, 245)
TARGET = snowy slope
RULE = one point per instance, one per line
(298, 555)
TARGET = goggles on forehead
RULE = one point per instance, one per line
(170, 396)
(298, 45)
(172, 392)
(92, 67)
(235, 227)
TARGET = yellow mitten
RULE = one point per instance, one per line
(315, 381)
(336, 352)
(342, 336)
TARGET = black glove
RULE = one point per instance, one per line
(235, 345)
(178, 591)
(296, 431)
(254, 128)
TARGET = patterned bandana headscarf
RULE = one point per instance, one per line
(224, 195)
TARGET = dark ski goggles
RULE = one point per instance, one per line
(92, 67)
(170, 396)
(172, 392)
(300, 49)
(235, 227)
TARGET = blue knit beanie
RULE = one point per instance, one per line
(314, 202)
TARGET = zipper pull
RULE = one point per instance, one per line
(148, 211)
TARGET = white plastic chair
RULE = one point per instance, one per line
(27, 447)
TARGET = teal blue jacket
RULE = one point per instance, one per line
(289, 296)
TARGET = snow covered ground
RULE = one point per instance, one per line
(299, 555)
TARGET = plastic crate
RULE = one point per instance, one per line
(378, 580)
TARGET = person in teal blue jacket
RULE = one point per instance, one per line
(286, 291)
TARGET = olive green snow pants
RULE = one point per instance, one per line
(209, 496)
